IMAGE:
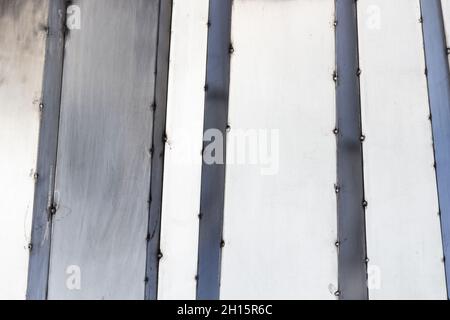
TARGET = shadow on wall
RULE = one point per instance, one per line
(15, 9)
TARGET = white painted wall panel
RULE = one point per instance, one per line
(403, 227)
(280, 211)
(22, 52)
(446, 12)
(183, 158)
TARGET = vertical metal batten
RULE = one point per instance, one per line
(159, 132)
(350, 184)
(439, 98)
(213, 176)
(48, 145)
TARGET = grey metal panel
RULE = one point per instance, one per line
(48, 142)
(439, 97)
(350, 184)
(213, 176)
(104, 158)
(159, 133)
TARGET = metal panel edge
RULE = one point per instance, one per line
(48, 145)
(159, 134)
(213, 176)
(438, 78)
(350, 184)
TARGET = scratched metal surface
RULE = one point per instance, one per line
(103, 168)
(22, 51)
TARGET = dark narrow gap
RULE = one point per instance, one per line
(351, 203)
(53, 206)
(213, 176)
(428, 67)
(44, 202)
(159, 106)
(362, 152)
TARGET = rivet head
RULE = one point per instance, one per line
(337, 244)
(336, 131)
(335, 76)
(160, 255)
(337, 188)
(337, 293)
(45, 29)
(362, 138)
(365, 204)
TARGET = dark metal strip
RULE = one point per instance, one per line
(350, 185)
(213, 176)
(47, 153)
(439, 97)
(159, 133)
